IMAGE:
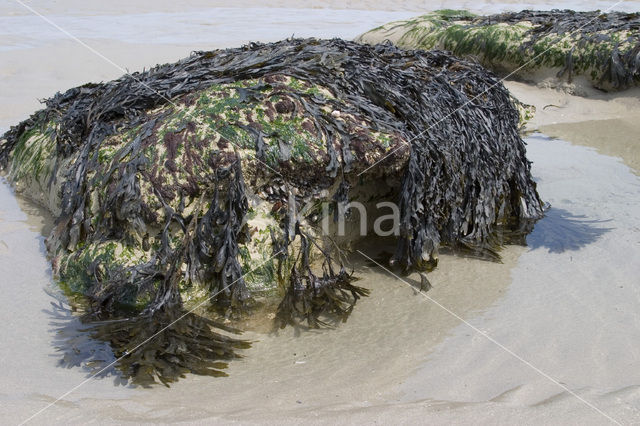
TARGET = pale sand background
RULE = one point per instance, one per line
(569, 303)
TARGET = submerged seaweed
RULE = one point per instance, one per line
(186, 184)
(604, 47)
(146, 349)
(309, 297)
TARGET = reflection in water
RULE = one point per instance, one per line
(560, 231)
(163, 346)
(78, 348)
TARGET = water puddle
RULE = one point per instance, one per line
(571, 307)
(565, 303)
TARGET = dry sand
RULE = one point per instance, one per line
(568, 304)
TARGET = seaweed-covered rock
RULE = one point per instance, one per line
(203, 183)
(602, 47)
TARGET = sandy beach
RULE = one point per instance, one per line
(549, 336)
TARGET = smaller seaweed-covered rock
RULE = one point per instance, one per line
(602, 47)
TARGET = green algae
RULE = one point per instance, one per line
(602, 47)
(79, 271)
(33, 155)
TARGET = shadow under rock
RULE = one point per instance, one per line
(560, 230)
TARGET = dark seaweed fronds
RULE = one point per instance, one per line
(467, 159)
(216, 244)
(208, 249)
(309, 297)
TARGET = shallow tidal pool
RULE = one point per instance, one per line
(562, 311)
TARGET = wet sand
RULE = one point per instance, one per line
(568, 303)
(606, 121)
(609, 137)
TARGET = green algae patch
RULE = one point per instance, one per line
(601, 47)
(86, 271)
(34, 164)
(195, 191)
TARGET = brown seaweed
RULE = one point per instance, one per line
(309, 297)
(466, 181)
